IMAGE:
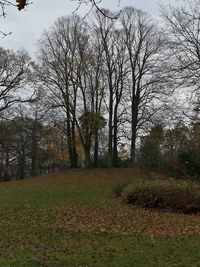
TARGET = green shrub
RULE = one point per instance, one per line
(168, 195)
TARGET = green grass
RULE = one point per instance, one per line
(97, 249)
(73, 219)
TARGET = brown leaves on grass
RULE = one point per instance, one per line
(120, 220)
(126, 221)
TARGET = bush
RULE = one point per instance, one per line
(168, 195)
(118, 190)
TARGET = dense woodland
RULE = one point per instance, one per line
(104, 92)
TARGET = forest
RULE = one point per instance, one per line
(104, 92)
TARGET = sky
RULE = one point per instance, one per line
(27, 25)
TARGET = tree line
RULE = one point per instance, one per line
(97, 89)
(174, 151)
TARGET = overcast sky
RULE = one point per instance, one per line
(27, 26)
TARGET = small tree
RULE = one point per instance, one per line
(150, 155)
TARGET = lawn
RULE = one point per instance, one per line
(72, 219)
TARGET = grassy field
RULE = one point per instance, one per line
(72, 219)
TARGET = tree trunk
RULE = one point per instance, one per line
(134, 133)
(115, 143)
(74, 163)
(22, 164)
(96, 149)
(110, 132)
(69, 140)
(33, 156)
(87, 158)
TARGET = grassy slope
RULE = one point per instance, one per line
(72, 219)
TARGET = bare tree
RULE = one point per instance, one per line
(98, 91)
(14, 76)
(183, 28)
(88, 77)
(104, 29)
(68, 69)
(144, 48)
(61, 72)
